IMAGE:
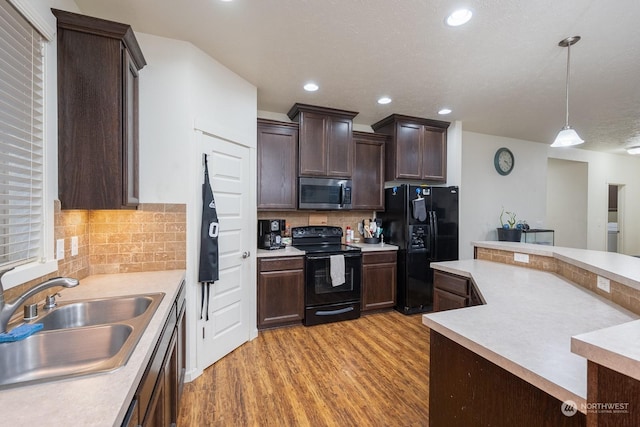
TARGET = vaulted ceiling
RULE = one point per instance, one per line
(502, 73)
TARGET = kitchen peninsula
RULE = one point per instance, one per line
(539, 341)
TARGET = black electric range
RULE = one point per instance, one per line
(329, 295)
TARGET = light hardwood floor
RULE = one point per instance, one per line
(373, 371)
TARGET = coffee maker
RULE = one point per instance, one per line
(270, 233)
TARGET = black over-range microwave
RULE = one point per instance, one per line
(324, 193)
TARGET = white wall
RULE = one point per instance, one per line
(179, 87)
(484, 192)
(567, 200)
(605, 169)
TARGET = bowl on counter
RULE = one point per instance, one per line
(372, 240)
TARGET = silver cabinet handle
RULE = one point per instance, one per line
(246, 254)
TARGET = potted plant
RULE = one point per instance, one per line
(509, 230)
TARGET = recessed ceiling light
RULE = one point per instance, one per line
(311, 87)
(459, 17)
(444, 111)
(633, 150)
(384, 100)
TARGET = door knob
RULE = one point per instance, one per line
(246, 254)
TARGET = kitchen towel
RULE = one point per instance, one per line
(336, 265)
(21, 332)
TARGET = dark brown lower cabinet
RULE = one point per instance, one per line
(379, 278)
(452, 291)
(280, 291)
(466, 389)
(156, 401)
(612, 398)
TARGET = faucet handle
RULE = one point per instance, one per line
(50, 301)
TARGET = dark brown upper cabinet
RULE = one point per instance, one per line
(277, 165)
(325, 143)
(368, 170)
(417, 148)
(98, 64)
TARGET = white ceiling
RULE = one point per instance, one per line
(503, 73)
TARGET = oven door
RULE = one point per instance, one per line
(319, 289)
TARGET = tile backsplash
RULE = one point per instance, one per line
(151, 238)
(335, 218)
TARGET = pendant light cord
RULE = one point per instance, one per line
(566, 123)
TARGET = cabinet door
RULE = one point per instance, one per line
(408, 151)
(171, 384)
(130, 147)
(280, 292)
(313, 144)
(368, 172)
(339, 147)
(378, 286)
(155, 414)
(443, 300)
(379, 280)
(98, 63)
(181, 343)
(434, 154)
(277, 166)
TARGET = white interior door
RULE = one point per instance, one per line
(230, 297)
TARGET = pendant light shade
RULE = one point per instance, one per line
(567, 137)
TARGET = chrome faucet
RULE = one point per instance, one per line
(7, 309)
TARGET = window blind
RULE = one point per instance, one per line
(21, 139)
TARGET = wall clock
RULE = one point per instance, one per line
(504, 161)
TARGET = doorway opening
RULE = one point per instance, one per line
(614, 218)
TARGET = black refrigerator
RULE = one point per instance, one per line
(422, 221)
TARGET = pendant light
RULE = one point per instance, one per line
(567, 136)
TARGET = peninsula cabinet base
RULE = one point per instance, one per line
(614, 398)
(467, 390)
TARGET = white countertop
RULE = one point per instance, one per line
(287, 251)
(528, 322)
(291, 251)
(100, 399)
(616, 347)
(376, 247)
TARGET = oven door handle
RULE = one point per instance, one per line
(321, 257)
(334, 312)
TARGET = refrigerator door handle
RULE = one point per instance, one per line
(434, 221)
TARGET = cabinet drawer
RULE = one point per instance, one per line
(378, 257)
(285, 263)
(450, 283)
(447, 301)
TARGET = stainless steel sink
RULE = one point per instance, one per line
(80, 338)
(95, 312)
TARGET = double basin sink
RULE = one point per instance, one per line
(78, 338)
